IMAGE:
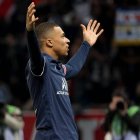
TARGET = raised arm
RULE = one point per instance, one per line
(36, 59)
(90, 36)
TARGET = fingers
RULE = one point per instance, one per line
(30, 6)
(31, 14)
(93, 25)
(31, 10)
(30, 17)
(96, 27)
(83, 27)
(89, 25)
(100, 32)
(35, 19)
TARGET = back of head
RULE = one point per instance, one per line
(43, 30)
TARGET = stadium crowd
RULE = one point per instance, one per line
(107, 67)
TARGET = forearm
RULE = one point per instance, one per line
(36, 59)
(75, 64)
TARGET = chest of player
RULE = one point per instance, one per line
(57, 79)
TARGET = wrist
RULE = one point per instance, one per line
(86, 42)
(29, 28)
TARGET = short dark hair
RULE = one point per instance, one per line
(43, 28)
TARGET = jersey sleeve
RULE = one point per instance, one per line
(75, 64)
(36, 62)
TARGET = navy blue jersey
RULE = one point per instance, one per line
(49, 92)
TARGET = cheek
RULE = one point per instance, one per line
(60, 46)
(62, 43)
(59, 43)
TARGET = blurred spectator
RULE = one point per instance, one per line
(2, 115)
(14, 120)
(122, 119)
(133, 123)
(134, 113)
(11, 122)
(115, 122)
(106, 67)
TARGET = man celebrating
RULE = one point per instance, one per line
(46, 75)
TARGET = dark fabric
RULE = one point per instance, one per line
(2, 128)
(36, 58)
(49, 91)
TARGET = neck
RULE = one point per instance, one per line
(49, 52)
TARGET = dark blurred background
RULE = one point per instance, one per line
(112, 63)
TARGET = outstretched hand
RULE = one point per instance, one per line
(30, 17)
(90, 32)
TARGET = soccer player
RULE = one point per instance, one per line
(46, 75)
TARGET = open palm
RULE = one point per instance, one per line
(90, 32)
(30, 17)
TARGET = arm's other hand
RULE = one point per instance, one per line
(30, 17)
(90, 32)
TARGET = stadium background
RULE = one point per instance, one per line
(113, 63)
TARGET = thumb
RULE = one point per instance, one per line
(83, 27)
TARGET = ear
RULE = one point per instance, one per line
(49, 43)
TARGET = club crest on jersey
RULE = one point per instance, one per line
(64, 90)
(64, 84)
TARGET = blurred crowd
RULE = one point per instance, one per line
(108, 67)
(110, 76)
(11, 120)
